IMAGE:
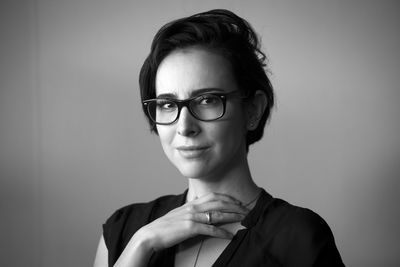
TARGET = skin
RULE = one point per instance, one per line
(212, 155)
(187, 73)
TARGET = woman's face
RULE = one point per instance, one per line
(197, 148)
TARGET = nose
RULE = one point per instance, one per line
(187, 125)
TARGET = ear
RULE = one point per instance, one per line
(255, 108)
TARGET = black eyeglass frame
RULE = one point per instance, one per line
(186, 103)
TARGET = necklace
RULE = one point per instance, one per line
(202, 240)
(251, 202)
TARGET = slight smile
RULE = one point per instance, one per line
(192, 152)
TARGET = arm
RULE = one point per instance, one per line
(101, 259)
(135, 254)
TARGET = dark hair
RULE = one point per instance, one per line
(223, 32)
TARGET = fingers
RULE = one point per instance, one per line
(215, 202)
(216, 217)
(215, 206)
(214, 231)
(222, 206)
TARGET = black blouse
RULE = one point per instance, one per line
(277, 234)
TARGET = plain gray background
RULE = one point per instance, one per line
(74, 144)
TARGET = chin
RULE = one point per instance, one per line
(193, 170)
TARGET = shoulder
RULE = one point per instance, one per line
(297, 235)
(286, 217)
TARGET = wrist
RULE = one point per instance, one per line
(143, 242)
(137, 252)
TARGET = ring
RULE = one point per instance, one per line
(209, 219)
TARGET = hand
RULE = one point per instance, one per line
(191, 220)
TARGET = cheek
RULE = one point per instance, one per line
(165, 135)
(229, 133)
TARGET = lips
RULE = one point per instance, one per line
(192, 152)
(189, 148)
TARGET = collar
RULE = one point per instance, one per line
(262, 203)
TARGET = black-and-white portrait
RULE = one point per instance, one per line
(211, 133)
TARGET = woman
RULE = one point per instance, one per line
(206, 94)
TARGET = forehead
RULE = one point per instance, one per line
(183, 72)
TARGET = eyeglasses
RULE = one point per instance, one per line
(205, 107)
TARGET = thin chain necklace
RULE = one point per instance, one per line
(202, 240)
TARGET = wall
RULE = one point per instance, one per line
(74, 145)
(20, 184)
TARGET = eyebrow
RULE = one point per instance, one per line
(193, 93)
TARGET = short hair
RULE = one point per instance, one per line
(220, 31)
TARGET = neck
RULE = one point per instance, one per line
(237, 182)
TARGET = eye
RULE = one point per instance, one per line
(208, 100)
(165, 105)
